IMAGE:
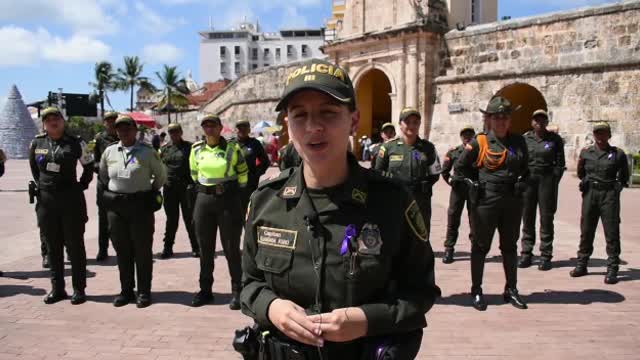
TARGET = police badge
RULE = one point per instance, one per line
(369, 241)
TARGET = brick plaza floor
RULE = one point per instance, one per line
(568, 318)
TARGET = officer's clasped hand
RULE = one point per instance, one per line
(292, 320)
(342, 325)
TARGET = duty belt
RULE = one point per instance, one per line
(499, 187)
(598, 185)
(217, 189)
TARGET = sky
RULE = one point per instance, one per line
(48, 44)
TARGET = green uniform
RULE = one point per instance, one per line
(288, 157)
(132, 176)
(604, 173)
(417, 166)
(296, 248)
(546, 166)
(178, 192)
(102, 141)
(457, 198)
(221, 174)
(62, 208)
(499, 206)
(257, 163)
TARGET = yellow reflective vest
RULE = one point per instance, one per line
(221, 163)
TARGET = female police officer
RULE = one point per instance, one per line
(325, 263)
(133, 173)
(500, 158)
(221, 174)
(62, 208)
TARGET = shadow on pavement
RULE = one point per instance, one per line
(466, 256)
(178, 255)
(40, 274)
(592, 263)
(584, 297)
(111, 261)
(166, 297)
(623, 275)
(13, 290)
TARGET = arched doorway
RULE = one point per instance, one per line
(528, 98)
(374, 103)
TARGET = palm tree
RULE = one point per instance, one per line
(175, 90)
(104, 81)
(131, 76)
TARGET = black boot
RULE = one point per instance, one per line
(45, 262)
(167, 252)
(202, 298)
(102, 255)
(124, 298)
(448, 256)
(78, 297)
(612, 275)
(195, 253)
(478, 301)
(511, 296)
(579, 270)
(525, 261)
(54, 296)
(143, 300)
(545, 264)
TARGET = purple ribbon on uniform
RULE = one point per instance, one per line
(416, 154)
(547, 145)
(349, 234)
(511, 150)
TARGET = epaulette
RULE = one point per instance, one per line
(41, 135)
(284, 175)
(198, 143)
(454, 148)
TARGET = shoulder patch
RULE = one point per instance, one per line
(40, 136)
(284, 175)
(416, 221)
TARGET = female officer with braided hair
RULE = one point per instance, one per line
(500, 158)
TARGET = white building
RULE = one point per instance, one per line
(228, 54)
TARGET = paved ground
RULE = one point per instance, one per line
(567, 319)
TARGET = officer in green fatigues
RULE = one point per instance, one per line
(412, 160)
(62, 208)
(288, 157)
(500, 160)
(604, 172)
(254, 155)
(220, 172)
(179, 191)
(459, 194)
(134, 174)
(102, 141)
(329, 271)
(387, 132)
(546, 167)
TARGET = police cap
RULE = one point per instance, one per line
(174, 127)
(467, 128)
(50, 111)
(540, 112)
(244, 122)
(601, 125)
(110, 115)
(125, 119)
(498, 105)
(320, 75)
(212, 118)
(387, 125)
(406, 112)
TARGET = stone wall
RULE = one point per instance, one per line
(586, 63)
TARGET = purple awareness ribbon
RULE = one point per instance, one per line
(349, 234)
(416, 155)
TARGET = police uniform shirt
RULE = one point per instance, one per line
(369, 257)
(102, 141)
(449, 160)
(53, 162)
(252, 150)
(221, 163)
(176, 159)
(288, 157)
(546, 153)
(409, 163)
(134, 169)
(606, 166)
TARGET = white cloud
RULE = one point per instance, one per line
(161, 53)
(83, 16)
(152, 22)
(291, 19)
(24, 47)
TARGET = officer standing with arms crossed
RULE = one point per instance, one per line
(459, 194)
(604, 172)
(102, 141)
(500, 159)
(62, 208)
(321, 248)
(252, 150)
(413, 161)
(133, 173)
(179, 192)
(546, 167)
(220, 172)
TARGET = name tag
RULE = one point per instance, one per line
(53, 167)
(124, 174)
(277, 237)
(396, 157)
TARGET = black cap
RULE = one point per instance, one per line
(322, 76)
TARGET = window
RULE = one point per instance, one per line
(254, 54)
(237, 67)
(265, 65)
(236, 51)
(476, 5)
(223, 68)
(223, 51)
(266, 53)
(277, 53)
(254, 66)
(305, 50)
(289, 50)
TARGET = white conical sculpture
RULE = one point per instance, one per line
(16, 126)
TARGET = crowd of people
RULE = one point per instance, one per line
(337, 260)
